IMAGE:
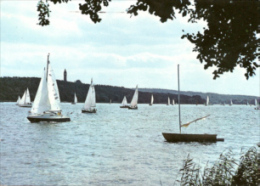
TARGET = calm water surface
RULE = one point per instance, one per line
(116, 146)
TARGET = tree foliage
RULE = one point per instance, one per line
(230, 39)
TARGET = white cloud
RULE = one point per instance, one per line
(119, 51)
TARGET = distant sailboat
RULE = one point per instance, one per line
(151, 101)
(26, 99)
(207, 101)
(133, 104)
(90, 103)
(124, 103)
(18, 100)
(257, 105)
(173, 102)
(231, 103)
(46, 105)
(169, 101)
(178, 137)
(75, 99)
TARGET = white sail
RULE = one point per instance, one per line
(135, 98)
(173, 102)
(41, 102)
(90, 101)
(169, 101)
(255, 102)
(231, 103)
(18, 100)
(22, 101)
(27, 98)
(75, 98)
(207, 101)
(124, 102)
(53, 91)
(152, 100)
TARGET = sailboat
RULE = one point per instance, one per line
(26, 99)
(151, 101)
(173, 102)
(178, 137)
(124, 103)
(90, 102)
(18, 100)
(231, 103)
(257, 105)
(169, 101)
(133, 104)
(46, 105)
(207, 101)
(75, 99)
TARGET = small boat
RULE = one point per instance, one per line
(173, 102)
(169, 101)
(75, 99)
(26, 99)
(151, 101)
(178, 137)
(133, 104)
(90, 102)
(257, 105)
(124, 103)
(231, 103)
(18, 100)
(46, 106)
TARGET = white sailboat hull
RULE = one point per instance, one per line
(25, 105)
(89, 110)
(48, 117)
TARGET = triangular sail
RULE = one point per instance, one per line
(75, 98)
(18, 100)
(41, 102)
(255, 102)
(173, 102)
(53, 91)
(22, 101)
(124, 102)
(207, 101)
(135, 98)
(169, 101)
(27, 98)
(152, 100)
(91, 97)
(231, 103)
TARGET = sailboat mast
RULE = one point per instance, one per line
(179, 99)
(48, 62)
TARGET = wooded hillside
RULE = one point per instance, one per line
(12, 87)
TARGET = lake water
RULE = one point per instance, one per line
(116, 146)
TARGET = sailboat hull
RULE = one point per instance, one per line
(89, 111)
(48, 118)
(25, 105)
(176, 137)
(125, 106)
(133, 108)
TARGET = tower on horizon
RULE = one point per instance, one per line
(65, 75)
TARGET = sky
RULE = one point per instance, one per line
(121, 50)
